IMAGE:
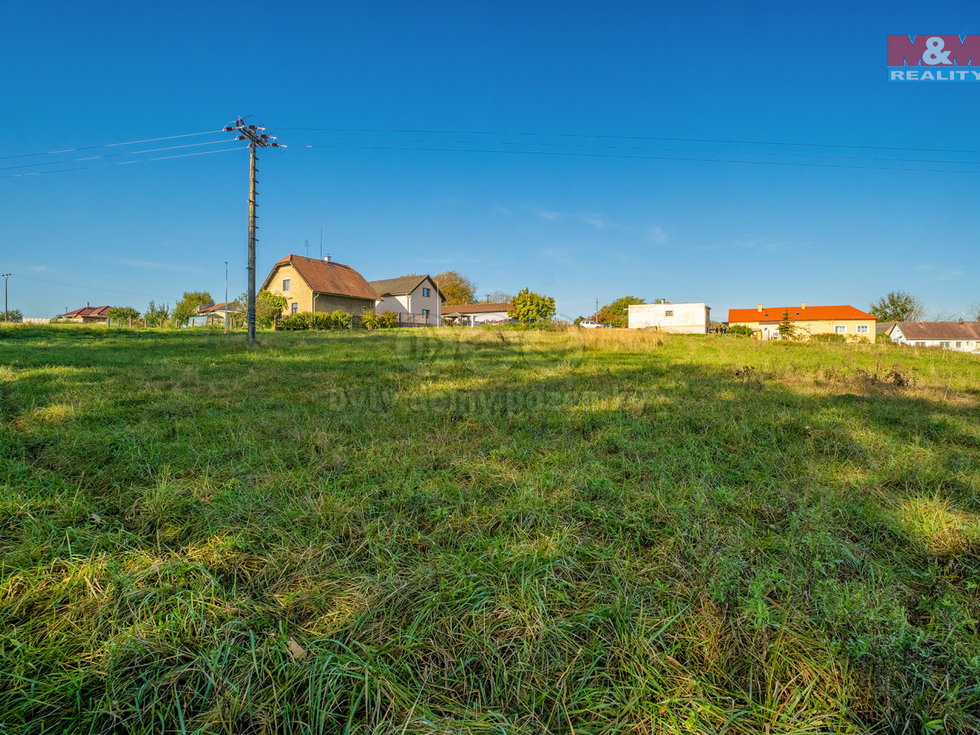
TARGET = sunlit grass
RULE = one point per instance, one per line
(490, 530)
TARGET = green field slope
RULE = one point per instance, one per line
(485, 531)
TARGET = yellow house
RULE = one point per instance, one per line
(853, 324)
(312, 285)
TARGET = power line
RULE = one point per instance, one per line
(649, 158)
(120, 163)
(107, 145)
(732, 141)
(830, 156)
(112, 155)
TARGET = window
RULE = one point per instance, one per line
(840, 329)
(425, 313)
(958, 345)
(425, 292)
(295, 307)
(669, 312)
(862, 328)
(285, 284)
(944, 345)
(920, 344)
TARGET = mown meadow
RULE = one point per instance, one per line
(485, 531)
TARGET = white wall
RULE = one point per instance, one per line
(684, 318)
(965, 345)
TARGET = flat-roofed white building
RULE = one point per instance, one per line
(687, 317)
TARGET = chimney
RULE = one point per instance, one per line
(86, 304)
(803, 306)
(760, 307)
(326, 258)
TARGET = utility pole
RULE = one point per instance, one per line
(226, 297)
(6, 312)
(256, 139)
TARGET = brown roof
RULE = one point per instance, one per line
(797, 314)
(473, 308)
(90, 312)
(327, 277)
(399, 286)
(212, 308)
(940, 330)
(884, 327)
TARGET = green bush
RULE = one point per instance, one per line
(384, 320)
(741, 330)
(832, 337)
(319, 320)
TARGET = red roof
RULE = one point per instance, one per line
(89, 312)
(327, 277)
(797, 314)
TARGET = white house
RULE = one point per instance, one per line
(680, 318)
(473, 314)
(416, 299)
(958, 336)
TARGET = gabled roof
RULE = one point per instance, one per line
(473, 308)
(89, 312)
(327, 277)
(402, 285)
(216, 308)
(884, 327)
(797, 314)
(940, 330)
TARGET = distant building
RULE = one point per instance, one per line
(473, 314)
(416, 299)
(88, 314)
(213, 314)
(958, 336)
(679, 318)
(851, 323)
(311, 285)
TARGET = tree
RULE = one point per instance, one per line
(123, 314)
(787, 330)
(616, 314)
(156, 316)
(499, 297)
(267, 307)
(14, 315)
(456, 288)
(528, 307)
(898, 306)
(974, 312)
(188, 304)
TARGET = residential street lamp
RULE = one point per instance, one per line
(6, 312)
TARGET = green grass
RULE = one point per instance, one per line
(435, 531)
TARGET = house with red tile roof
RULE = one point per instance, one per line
(88, 314)
(312, 285)
(847, 321)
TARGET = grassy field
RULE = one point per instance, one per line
(437, 531)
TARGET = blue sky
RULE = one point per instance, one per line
(567, 187)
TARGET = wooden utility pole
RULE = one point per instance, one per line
(256, 139)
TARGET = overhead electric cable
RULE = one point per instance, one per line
(653, 158)
(107, 145)
(638, 137)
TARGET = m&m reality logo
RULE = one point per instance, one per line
(934, 58)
